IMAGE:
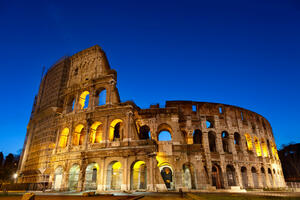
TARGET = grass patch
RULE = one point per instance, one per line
(242, 197)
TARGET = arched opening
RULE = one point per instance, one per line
(73, 177)
(257, 146)
(78, 135)
(164, 132)
(58, 178)
(209, 124)
(167, 175)
(216, 175)
(138, 176)
(244, 177)
(145, 132)
(254, 177)
(263, 177)
(164, 136)
(197, 137)
(101, 97)
(63, 140)
(270, 177)
(249, 141)
(231, 177)
(212, 141)
(96, 132)
(84, 100)
(116, 130)
(114, 176)
(264, 148)
(188, 176)
(91, 176)
(225, 142)
(237, 141)
(70, 104)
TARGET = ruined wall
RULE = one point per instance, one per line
(82, 137)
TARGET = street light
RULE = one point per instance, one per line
(15, 176)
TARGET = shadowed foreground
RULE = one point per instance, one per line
(162, 196)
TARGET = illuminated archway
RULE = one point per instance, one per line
(91, 176)
(216, 175)
(249, 142)
(138, 176)
(63, 140)
(58, 176)
(257, 146)
(83, 99)
(96, 132)
(114, 176)
(115, 130)
(78, 135)
(188, 176)
(264, 148)
(167, 173)
(74, 177)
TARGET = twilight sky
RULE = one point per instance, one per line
(244, 53)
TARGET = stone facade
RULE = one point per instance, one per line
(81, 137)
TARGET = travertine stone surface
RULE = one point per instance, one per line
(103, 146)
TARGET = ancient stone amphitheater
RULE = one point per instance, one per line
(81, 137)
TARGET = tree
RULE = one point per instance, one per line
(290, 159)
(1, 159)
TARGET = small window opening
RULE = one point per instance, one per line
(144, 133)
(86, 102)
(102, 98)
(117, 131)
(73, 104)
(76, 72)
(242, 116)
(220, 110)
(208, 124)
(194, 108)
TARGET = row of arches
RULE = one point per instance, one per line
(262, 148)
(116, 130)
(84, 100)
(232, 178)
(138, 176)
(96, 134)
(114, 176)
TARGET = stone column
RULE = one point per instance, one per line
(219, 143)
(127, 132)
(88, 129)
(57, 140)
(250, 178)
(231, 144)
(70, 136)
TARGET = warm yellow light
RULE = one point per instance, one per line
(64, 137)
(138, 164)
(257, 146)
(249, 141)
(96, 134)
(112, 128)
(264, 148)
(82, 99)
(77, 133)
(116, 166)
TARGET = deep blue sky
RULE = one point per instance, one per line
(244, 53)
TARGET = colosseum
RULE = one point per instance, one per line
(82, 137)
